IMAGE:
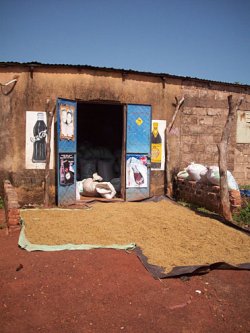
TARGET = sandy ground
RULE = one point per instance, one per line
(169, 235)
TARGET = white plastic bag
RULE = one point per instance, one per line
(92, 187)
(105, 189)
(203, 176)
(77, 191)
(213, 176)
(183, 174)
(232, 184)
(79, 186)
(89, 187)
(96, 177)
(194, 171)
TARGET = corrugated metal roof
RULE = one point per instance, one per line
(123, 71)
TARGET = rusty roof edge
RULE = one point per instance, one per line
(121, 70)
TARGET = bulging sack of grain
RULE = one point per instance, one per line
(105, 154)
(79, 186)
(194, 170)
(117, 167)
(183, 174)
(87, 168)
(96, 177)
(89, 187)
(213, 176)
(116, 182)
(77, 193)
(106, 190)
(105, 169)
(97, 153)
(203, 176)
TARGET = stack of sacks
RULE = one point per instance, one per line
(93, 187)
(204, 174)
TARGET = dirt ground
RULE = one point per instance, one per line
(169, 235)
(101, 291)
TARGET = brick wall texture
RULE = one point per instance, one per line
(205, 195)
(202, 120)
(12, 211)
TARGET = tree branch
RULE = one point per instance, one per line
(178, 105)
(50, 115)
(222, 149)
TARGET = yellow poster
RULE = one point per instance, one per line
(158, 144)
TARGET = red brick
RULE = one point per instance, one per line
(13, 228)
(13, 221)
(14, 210)
(235, 202)
(212, 196)
(215, 189)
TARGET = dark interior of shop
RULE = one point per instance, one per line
(99, 142)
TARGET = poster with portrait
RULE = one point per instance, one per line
(67, 122)
(67, 169)
(136, 170)
(36, 139)
(158, 144)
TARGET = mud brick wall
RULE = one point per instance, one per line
(204, 195)
(201, 124)
(12, 212)
(29, 186)
(242, 163)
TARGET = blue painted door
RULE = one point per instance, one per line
(66, 151)
(138, 147)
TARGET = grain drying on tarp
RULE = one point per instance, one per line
(169, 235)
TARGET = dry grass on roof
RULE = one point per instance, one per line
(169, 235)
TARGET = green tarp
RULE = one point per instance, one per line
(24, 243)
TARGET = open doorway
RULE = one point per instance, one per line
(99, 143)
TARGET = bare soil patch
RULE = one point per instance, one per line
(110, 291)
(169, 235)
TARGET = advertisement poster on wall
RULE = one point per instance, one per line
(67, 120)
(158, 144)
(136, 170)
(36, 138)
(67, 169)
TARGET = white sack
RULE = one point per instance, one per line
(96, 177)
(105, 189)
(79, 186)
(213, 176)
(77, 192)
(183, 174)
(194, 171)
(89, 187)
(203, 176)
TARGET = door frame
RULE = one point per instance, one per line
(124, 107)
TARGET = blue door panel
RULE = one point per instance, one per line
(138, 128)
(66, 151)
(138, 148)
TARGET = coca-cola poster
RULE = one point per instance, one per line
(36, 139)
(136, 170)
(158, 144)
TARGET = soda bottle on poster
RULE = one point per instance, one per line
(156, 147)
(62, 176)
(39, 140)
(137, 175)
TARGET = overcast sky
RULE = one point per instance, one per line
(209, 39)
